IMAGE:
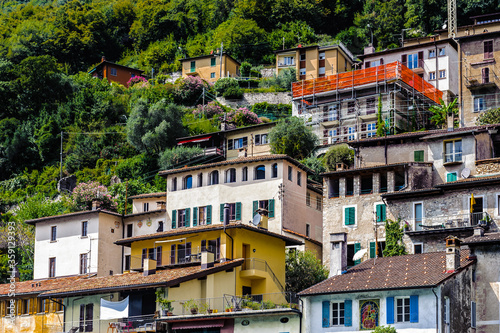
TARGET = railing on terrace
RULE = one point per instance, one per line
(142, 323)
(261, 265)
(379, 74)
(458, 220)
(168, 258)
(481, 79)
(231, 303)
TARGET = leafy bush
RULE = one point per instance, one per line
(274, 111)
(136, 167)
(233, 93)
(178, 155)
(283, 80)
(227, 84)
(338, 154)
(209, 110)
(138, 81)
(384, 329)
(133, 187)
(491, 116)
(85, 193)
(245, 68)
(292, 137)
(189, 90)
(241, 117)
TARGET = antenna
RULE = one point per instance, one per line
(256, 219)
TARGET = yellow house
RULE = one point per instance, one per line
(315, 61)
(211, 67)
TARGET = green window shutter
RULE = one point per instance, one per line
(451, 177)
(209, 214)
(195, 216)
(212, 62)
(271, 208)
(372, 249)
(255, 207)
(222, 212)
(238, 211)
(418, 155)
(357, 247)
(188, 213)
(174, 219)
(381, 213)
(350, 213)
(193, 66)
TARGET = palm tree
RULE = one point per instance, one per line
(442, 112)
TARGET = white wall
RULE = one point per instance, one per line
(268, 323)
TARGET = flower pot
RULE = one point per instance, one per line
(194, 311)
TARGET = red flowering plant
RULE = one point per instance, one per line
(85, 193)
(210, 110)
(138, 81)
(241, 117)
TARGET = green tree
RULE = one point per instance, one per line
(292, 137)
(338, 154)
(245, 68)
(394, 245)
(127, 189)
(153, 128)
(177, 156)
(443, 111)
(302, 270)
(316, 164)
(293, 33)
(491, 116)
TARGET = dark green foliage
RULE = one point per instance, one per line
(338, 154)
(394, 245)
(179, 156)
(441, 112)
(245, 68)
(130, 188)
(384, 329)
(316, 164)
(293, 138)
(137, 167)
(272, 111)
(222, 85)
(302, 270)
(283, 80)
(380, 122)
(233, 93)
(491, 116)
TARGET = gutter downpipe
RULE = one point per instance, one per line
(64, 311)
(300, 315)
(437, 311)
(475, 144)
(226, 222)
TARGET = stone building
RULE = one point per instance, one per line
(437, 183)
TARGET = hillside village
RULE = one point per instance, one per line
(408, 232)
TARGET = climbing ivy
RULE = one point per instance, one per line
(394, 239)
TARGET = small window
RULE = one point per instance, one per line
(146, 207)
(442, 74)
(308, 230)
(127, 262)
(403, 309)
(129, 230)
(290, 175)
(319, 203)
(261, 139)
(488, 49)
(479, 104)
(442, 52)
(302, 57)
(418, 248)
(193, 66)
(113, 71)
(274, 170)
(299, 178)
(451, 177)
(202, 215)
(473, 314)
(181, 218)
(432, 53)
(308, 199)
(338, 313)
(432, 75)
(174, 184)
(214, 177)
(418, 155)
(84, 228)
(213, 62)
(52, 267)
(260, 172)
(53, 233)
(200, 179)
(84, 263)
(244, 174)
(231, 175)
(160, 226)
(453, 151)
(187, 182)
(25, 306)
(212, 75)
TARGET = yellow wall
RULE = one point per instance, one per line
(50, 321)
(252, 148)
(203, 67)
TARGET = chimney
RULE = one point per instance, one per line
(478, 231)
(452, 254)
(369, 49)
(207, 259)
(103, 59)
(450, 122)
(95, 204)
(338, 253)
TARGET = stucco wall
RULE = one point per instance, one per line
(268, 323)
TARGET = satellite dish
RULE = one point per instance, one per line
(256, 219)
(465, 173)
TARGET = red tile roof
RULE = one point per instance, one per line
(85, 212)
(409, 271)
(38, 286)
(169, 277)
(149, 195)
(493, 237)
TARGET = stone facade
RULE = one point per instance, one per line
(250, 99)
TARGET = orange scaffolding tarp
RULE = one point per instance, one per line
(389, 72)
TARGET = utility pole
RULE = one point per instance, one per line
(221, 51)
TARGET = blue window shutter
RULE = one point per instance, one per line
(357, 247)
(195, 216)
(209, 214)
(255, 207)
(372, 249)
(222, 212)
(188, 217)
(326, 314)
(348, 312)
(174, 219)
(238, 211)
(390, 310)
(414, 309)
(271, 208)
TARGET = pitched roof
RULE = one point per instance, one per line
(303, 236)
(409, 271)
(238, 160)
(114, 64)
(202, 228)
(38, 286)
(168, 277)
(375, 167)
(85, 212)
(493, 237)
(149, 195)
(472, 181)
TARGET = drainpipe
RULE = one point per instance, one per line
(300, 315)
(437, 309)
(475, 145)
(226, 222)
(64, 311)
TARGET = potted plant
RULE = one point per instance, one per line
(165, 304)
(192, 306)
(229, 308)
(205, 308)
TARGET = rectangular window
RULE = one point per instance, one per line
(237, 143)
(213, 61)
(289, 61)
(212, 75)
(308, 199)
(413, 61)
(432, 53)
(370, 105)
(83, 263)
(453, 151)
(53, 233)
(113, 71)
(130, 227)
(402, 309)
(432, 75)
(418, 215)
(127, 262)
(479, 104)
(337, 313)
(193, 66)
(473, 314)
(299, 178)
(308, 230)
(202, 215)
(349, 186)
(261, 139)
(25, 306)
(84, 228)
(146, 207)
(442, 52)
(303, 57)
(418, 155)
(290, 176)
(451, 177)
(52, 267)
(377, 248)
(181, 218)
(86, 317)
(418, 248)
(488, 49)
(442, 74)
(349, 215)
(351, 107)
(319, 203)
(352, 132)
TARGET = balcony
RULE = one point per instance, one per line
(254, 269)
(447, 222)
(229, 304)
(183, 256)
(482, 80)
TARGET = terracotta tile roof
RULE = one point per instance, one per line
(375, 167)
(202, 228)
(493, 237)
(156, 211)
(409, 271)
(149, 195)
(85, 212)
(411, 193)
(169, 277)
(303, 236)
(271, 124)
(472, 181)
(38, 286)
(238, 160)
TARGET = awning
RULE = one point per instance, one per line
(202, 139)
(187, 325)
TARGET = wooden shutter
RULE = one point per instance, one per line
(390, 309)
(255, 207)
(271, 208)
(82, 318)
(373, 248)
(222, 212)
(188, 217)
(404, 60)
(451, 177)
(174, 219)
(195, 216)
(172, 254)
(414, 309)
(326, 314)
(348, 312)
(380, 213)
(357, 247)
(238, 211)
(349, 218)
(209, 214)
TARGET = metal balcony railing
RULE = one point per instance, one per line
(168, 258)
(459, 220)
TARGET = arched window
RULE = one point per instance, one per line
(231, 175)
(274, 170)
(174, 184)
(214, 177)
(244, 174)
(187, 182)
(260, 172)
(200, 179)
